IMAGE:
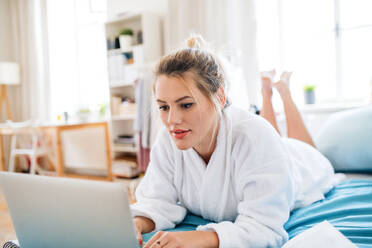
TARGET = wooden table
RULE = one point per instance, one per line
(56, 129)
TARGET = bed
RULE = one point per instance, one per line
(348, 206)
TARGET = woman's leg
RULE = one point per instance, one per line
(267, 110)
(295, 126)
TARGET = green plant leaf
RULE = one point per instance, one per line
(309, 87)
(126, 31)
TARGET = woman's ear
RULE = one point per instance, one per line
(221, 96)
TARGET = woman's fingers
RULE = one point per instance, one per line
(161, 240)
(139, 232)
(139, 237)
(153, 240)
(170, 245)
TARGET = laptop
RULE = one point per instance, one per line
(63, 212)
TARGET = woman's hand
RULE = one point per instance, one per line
(138, 230)
(183, 239)
(142, 225)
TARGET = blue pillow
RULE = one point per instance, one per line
(346, 140)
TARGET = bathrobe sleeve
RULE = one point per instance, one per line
(156, 194)
(264, 188)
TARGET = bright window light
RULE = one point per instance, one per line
(77, 56)
(325, 43)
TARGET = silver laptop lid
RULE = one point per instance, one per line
(62, 212)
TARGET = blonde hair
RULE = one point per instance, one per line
(198, 60)
(204, 67)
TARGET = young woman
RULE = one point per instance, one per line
(223, 163)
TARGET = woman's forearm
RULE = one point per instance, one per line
(146, 224)
(203, 239)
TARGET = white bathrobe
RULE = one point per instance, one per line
(251, 183)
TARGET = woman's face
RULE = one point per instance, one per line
(190, 118)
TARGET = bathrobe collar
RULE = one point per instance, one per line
(214, 177)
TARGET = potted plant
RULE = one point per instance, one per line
(102, 109)
(83, 114)
(309, 93)
(125, 38)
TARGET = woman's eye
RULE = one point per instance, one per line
(164, 108)
(186, 105)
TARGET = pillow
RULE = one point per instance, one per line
(346, 140)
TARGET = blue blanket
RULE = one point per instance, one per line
(348, 207)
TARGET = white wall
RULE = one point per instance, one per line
(6, 46)
(115, 7)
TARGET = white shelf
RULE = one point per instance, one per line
(122, 76)
(124, 18)
(124, 148)
(124, 50)
(121, 85)
(123, 117)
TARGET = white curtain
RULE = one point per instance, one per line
(29, 36)
(230, 27)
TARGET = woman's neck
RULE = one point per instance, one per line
(207, 146)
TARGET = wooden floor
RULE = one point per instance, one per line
(6, 228)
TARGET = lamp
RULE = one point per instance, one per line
(9, 75)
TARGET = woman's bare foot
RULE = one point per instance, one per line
(266, 83)
(282, 86)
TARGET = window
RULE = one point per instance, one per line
(326, 43)
(354, 38)
(77, 55)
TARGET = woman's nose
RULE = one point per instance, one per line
(174, 117)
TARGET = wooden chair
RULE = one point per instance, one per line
(33, 144)
(84, 151)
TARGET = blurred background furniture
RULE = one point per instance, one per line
(130, 79)
(9, 75)
(83, 150)
(73, 149)
(27, 140)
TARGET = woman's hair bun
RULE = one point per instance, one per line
(196, 41)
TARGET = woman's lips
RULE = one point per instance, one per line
(180, 134)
